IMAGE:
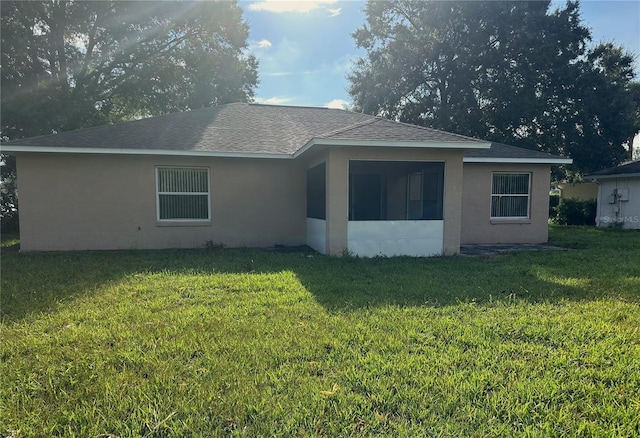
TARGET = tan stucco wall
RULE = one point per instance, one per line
(72, 201)
(582, 191)
(337, 160)
(83, 201)
(477, 226)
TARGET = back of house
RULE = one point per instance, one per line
(261, 175)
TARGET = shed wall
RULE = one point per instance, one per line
(622, 213)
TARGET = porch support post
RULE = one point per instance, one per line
(452, 205)
(337, 207)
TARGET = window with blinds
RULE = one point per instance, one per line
(182, 193)
(510, 194)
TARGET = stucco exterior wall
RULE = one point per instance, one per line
(625, 214)
(337, 160)
(86, 201)
(582, 191)
(477, 225)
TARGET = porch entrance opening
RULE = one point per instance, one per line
(395, 208)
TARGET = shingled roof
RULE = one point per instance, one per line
(252, 129)
(512, 154)
(631, 168)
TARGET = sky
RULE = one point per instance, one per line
(305, 47)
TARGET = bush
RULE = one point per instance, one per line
(554, 200)
(8, 194)
(576, 212)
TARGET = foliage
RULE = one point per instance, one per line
(606, 112)
(576, 212)
(554, 200)
(258, 343)
(67, 65)
(8, 194)
(512, 72)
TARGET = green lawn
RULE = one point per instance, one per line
(259, 343)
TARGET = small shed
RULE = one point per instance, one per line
(618, 196)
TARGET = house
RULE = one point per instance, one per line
(618, 196)
(582, 191)
(261, 175)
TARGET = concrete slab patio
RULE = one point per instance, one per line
(495, 249)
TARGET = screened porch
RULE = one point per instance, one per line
(394, 208)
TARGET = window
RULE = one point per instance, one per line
(510, 193)
(182, 193)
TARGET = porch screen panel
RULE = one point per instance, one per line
(433, 202)
(414, 196)
(183, 193)
(510, 194)
(317, 191)
(396, 190)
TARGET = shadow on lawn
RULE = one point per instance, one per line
(40, 282)
(604, 263)
(434, 282)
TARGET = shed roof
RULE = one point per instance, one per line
(631, 168)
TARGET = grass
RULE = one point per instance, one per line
(282, 343)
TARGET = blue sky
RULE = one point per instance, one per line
(305, 48)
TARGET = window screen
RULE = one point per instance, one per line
(182, 193)
(510, 193)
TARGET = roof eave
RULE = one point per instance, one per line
(517, 160)
(122, 151)
(391, 143)
(612, 176)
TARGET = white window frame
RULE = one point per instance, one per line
(208, 193)
(527, 195)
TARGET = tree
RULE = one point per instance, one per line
(634, 97)
(8, 194)
(513, 72)
(606, 113)
(72, 64)
(76, 64)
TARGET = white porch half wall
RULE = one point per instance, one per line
(317, 234)
(423, 238)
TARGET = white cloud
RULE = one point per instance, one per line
(278, 73)
(303, 6)
(334, 12)
(294, 73)
(343, 64)
(338, 104)
(260, 45)
(274, 100)
(280, 60)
